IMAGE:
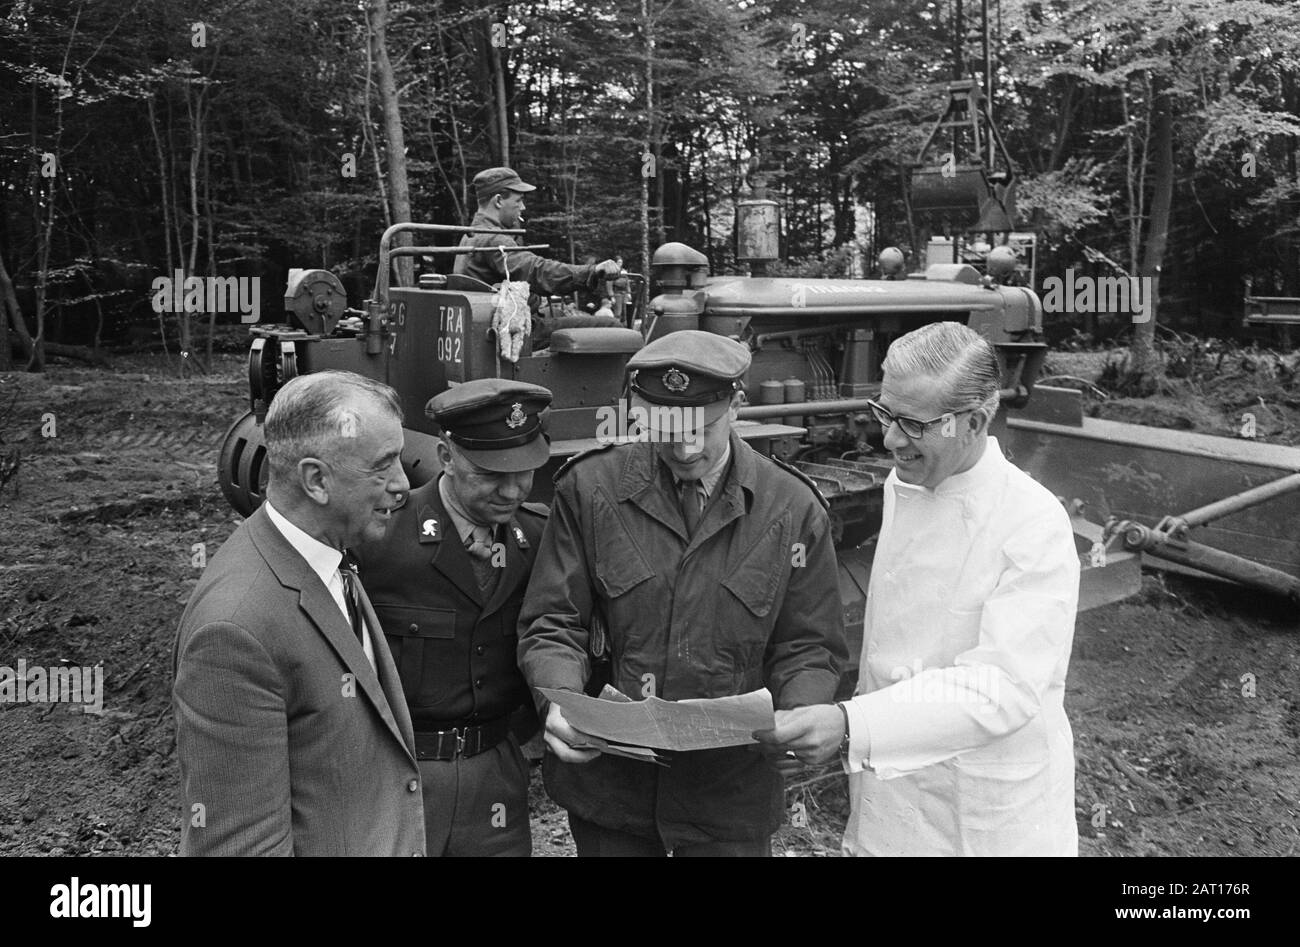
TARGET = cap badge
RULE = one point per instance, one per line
(517, 417)
(676, 380)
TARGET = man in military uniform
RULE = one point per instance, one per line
(500, 193)
(712, 568)
(447, 582)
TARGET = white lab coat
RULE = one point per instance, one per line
(959, 712)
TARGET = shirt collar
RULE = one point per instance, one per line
(985, 468)
(968, 480)
(464, 525)
(324, 560)
(644, 470)
(482, 220)
(709, 482)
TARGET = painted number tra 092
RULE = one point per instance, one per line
(449, 349)
(451, 333)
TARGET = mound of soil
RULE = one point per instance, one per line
(1208, 387)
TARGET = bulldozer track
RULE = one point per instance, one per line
(161, 440)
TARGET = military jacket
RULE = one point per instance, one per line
(545, 277)
(453, 644)
(750, 601)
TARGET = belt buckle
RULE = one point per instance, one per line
(460, 740)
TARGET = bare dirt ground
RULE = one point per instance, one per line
(100, 535)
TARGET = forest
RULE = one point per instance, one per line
(138, 138)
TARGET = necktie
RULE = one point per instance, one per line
(479, 547)
(692, 504)
(352, 600)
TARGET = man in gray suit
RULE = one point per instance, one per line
(291, 728)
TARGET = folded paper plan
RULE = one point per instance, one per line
(703, 724)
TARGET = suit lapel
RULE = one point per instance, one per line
(320, 608)
(394, 709)
(324, 613)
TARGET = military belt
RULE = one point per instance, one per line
(460, 741)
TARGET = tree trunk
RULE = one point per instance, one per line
(502, 106)
(649, 136)
(163, 190)
(36, 354)
(42, 281)
(705, 185)
(1064, 118)
(6, 295)
(211, 239)
(79, 352)
(99, 308)
(11, 315)
(195, 113)
(460, 196)
(176, 201)
(1143, 359)
(368, 128)
(479, 42)
(1291, 242)
(398, 190)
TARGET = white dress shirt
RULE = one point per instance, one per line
(324, 561)
(959, 743)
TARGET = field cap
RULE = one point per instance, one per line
(687, 369)
(495, 422)
(495, 180)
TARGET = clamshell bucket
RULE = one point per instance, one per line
(949, 192)
(959, 190)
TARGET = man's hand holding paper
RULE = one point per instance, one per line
(563, 740)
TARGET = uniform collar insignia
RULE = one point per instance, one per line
(430, 528)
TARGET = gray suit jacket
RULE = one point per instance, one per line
(290, 742)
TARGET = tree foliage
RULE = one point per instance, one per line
(1158, 136)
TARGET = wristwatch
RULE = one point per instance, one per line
(844, 744)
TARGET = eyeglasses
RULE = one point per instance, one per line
(912, 427)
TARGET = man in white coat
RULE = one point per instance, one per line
(956, 742)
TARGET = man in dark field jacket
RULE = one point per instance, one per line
(713, 571)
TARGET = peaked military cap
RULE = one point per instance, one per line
(494, 180)
(495, 422)
(687, 369)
